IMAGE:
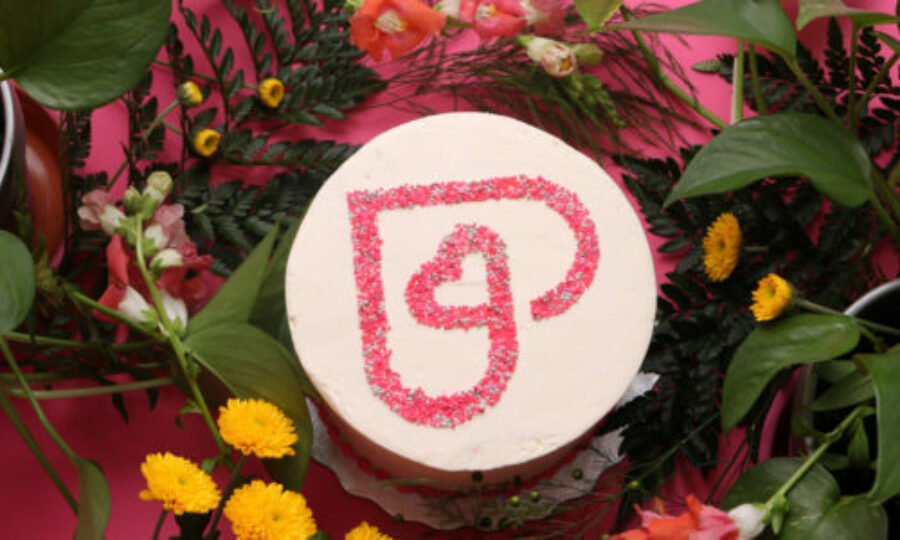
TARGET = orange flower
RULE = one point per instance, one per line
(398, 25)
(712, 523)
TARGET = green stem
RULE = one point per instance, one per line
(94, 390)
(19, 337)
(172, 128)
(200, 76)
(48, 377)
(851, 84)
(229, 487)
(663, 79)
(889, 194)
(830, 438)
(90, 302)
(817, 308)
(885, 218)
(146, 135)
(175, 341)
(19, 426)
(882, 73)
(813, 91)
(737, 85)
(11, 360)
(761, 106)
(159, 523)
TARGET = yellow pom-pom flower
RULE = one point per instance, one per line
(364, 531)
(772, 296)
(722, 247)
(260, 511)
(178, 484)
(206, 142)
(189, 94)
(270, 92)
(257, 427)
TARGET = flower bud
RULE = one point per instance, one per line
(352, 6)
(450, 7)
(206, 141)
(270, 92)
(134, 306)
(176, 311)
(556, 58)
(588, 54)
(189, 94)
(111, 219)
(159, 185)
(132, 200)
(166, 258)
(750, 519)
(155, 239)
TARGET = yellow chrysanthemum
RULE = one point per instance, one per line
(189, 94)
(270, 92)
(771, 297)
(260, 511)
(257, 427)
(206, 142)
(364, 531)
(722, 247)
(179, 484)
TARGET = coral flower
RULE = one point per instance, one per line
(772, 296)
(270, 92)
(698, 522)
(206, 142)
(364, 531)
(179, 484)
(398, 25)
(493, 18)
(722, 247)
(262, 511)
(257, 427)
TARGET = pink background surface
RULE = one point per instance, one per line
(33, 509)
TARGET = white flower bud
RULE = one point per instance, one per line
(155, 237)
(166, 258)
(159, 185)
(111, 219)
(176, 311)
(557, 59)
(133, 305)
(750, 519)
(132, 200)
(450, 7)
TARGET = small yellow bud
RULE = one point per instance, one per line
(206, 142)
(270, 92)
(189, 94)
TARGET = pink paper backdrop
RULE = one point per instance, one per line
(33, 509)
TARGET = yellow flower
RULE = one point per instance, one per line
(206, 142)
(260, 511)
(771, 297)
(722, 247)
(364, 531)
(179, 484)
(257, 427)
(270, 92)
(189, 94)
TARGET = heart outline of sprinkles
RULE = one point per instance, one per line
(447, 411)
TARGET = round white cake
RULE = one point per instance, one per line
(468, 293)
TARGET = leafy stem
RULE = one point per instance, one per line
(811, 88)
(159, 523)
(146, 135)
(91, 303)
(876, 80)
(817, 308)
(172, 335)
(761, 106)
(94, 390)
(69, 343)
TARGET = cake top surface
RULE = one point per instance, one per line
(469, 292)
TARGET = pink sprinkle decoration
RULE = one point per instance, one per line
(452, 410)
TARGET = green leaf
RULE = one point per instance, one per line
(815, 506)
(852, 389)
(784, 144)
(80, 54)
(796, 340)
(251, 364)
(890, 41)
(858, 447)
(597, 12)
(16, 281)
(94, 501)
(235, 299)
(763, 22)
(816, 9)
(885, 372)
(834, 370)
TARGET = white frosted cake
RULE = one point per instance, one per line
(468, 293)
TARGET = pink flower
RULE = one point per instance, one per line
(699, 522)
(169, 217)
(118, 289)
(98, 211)
(174, 279)
(546, 16)
(493, 18)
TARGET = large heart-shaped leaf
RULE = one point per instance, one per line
(16, 281)
(235, 299)
(79, 54)
(251, 364)
(763, 22)
(596, 12)
(799, 339)
(785, 144)
(94, 501)
(815, 506)
(816, 9)
(885, 372)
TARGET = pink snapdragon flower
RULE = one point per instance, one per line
(493, 18)
(98, 211)
(170, 218)
(699, 522)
